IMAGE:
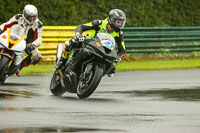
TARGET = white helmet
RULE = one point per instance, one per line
(30, 14)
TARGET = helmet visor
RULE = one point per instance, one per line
(119, 23)
(31, 18)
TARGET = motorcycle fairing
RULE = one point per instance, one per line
(108, 44)
(69, 81)
(17, 44)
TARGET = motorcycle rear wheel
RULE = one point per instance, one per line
(55, 85)
(93, 81)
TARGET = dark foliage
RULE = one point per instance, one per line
(139, 12)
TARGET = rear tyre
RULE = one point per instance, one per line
(87, 86)
(3, 67)
(55, 85)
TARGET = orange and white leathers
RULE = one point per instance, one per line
(33, 32)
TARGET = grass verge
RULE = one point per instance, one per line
(158, 65)
(127, 66)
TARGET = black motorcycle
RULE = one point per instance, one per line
(90, 61)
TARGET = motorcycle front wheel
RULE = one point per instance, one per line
(3, 67)
(88, 85)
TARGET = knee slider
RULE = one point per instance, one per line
(36, 60)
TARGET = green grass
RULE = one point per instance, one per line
(38, 69)
(158, 65)
(127, 66)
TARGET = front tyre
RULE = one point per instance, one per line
(55, 85)
(3, 67)
(88, 85)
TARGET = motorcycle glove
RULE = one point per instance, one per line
(30, 48)
(118, 59)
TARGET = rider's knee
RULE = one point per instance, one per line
(35, 60)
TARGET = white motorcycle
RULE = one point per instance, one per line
(12, 51)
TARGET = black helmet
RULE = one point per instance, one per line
(117, 19)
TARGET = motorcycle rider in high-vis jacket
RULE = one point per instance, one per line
(112, 25)
(33, 29)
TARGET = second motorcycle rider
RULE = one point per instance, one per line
(33, 28)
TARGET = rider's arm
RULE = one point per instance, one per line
(10, 23)
(121, 46)
(38, 39)
(88, 26)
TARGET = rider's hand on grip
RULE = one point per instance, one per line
(118, 59)
(30, 48)
(73, 40)
(67, 43)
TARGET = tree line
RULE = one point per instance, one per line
(138, 12)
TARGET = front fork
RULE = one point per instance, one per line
(60, 73)
(12, 58)
(85, 75)
(1, 52)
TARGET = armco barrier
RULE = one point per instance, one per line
(137, 39)
(162, 39)
(52, 35)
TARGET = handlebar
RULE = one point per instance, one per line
(83, 39)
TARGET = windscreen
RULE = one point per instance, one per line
(16, 32)
(107, 40)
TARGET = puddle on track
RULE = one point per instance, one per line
(54, 129)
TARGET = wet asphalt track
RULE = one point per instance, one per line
(137, 101)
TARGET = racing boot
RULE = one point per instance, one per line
(18, 73)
